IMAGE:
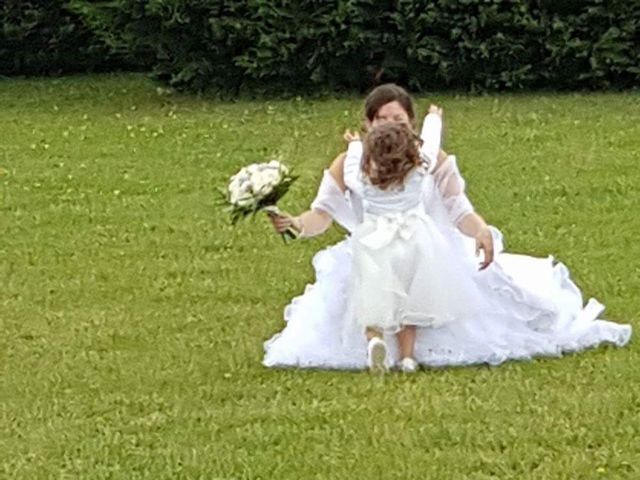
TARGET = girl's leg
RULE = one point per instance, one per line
(406, 344)
(372, 333)
(376, 351)
(407, 341)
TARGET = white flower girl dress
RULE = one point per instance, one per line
(404, 271)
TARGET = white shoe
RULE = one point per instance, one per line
(408, 365)
(377, 355)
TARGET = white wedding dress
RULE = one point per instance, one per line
(528, 307)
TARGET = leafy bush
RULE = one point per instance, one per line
(353, 44)
(46, 37)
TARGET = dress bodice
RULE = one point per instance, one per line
(395, 199)
(367, 198)
(443, 188)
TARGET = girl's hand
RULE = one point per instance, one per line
(350, 136)
(484, 242)
(435, 109)
(282, 222)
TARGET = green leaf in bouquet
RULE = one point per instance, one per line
(221, 197)
(279, 191)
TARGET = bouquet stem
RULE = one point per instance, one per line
(290, 233)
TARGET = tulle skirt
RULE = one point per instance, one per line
(535, 310)
(405, 272)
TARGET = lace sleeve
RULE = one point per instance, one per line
(332, 200)
(451, 186)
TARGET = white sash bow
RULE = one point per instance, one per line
(388, 226)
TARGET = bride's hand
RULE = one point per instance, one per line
(281, 222)
(484, 242)
(350, 136)
(435, 109)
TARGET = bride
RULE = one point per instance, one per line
(536, 310)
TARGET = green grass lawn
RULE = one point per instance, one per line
(132, 314)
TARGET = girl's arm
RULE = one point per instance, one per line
(431, 135)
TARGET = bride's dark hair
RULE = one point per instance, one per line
(391, 151)
(387, 93)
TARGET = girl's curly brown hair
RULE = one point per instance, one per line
(391, 152)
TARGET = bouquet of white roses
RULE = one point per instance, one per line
(257, 187)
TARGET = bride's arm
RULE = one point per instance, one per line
(460, 211)
(473, 225)
(329, 203)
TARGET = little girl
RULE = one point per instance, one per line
(405, 274)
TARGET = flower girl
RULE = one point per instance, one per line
(405, 274)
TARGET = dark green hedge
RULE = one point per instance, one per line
(465, 44)
(286, 45)
(47, 38)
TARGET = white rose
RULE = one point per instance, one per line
(234, 185)
(252, 169)
(262, 184)
(240, 183)
(244, 201)
(234, 195)
(246, 185)
(274, 177)
(240, 190)
(275, 164)
(238, 180)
